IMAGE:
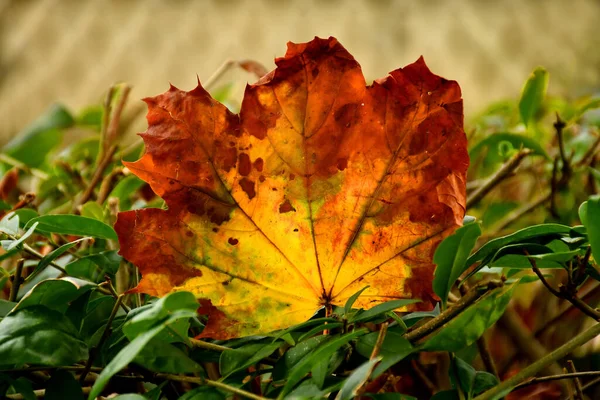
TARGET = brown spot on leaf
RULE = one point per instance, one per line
(342, 163)
(244, 166)
(248, 187)
(292, 177)
(261, 178)
(286, 206)
(259, 164)
(233, 241)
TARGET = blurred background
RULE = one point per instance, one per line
(71, 51)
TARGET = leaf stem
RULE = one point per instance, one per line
(542, 363)
(208, 382)
(557, 377)
(445, 316)
(17, 280)
(208, 346)
(105, 334)
(380, 339)
(576, 381)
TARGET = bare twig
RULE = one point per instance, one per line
(566, 294)
(576, 381)
(589, 155)
(16, 280)
(40, 393)
(108, 184)
(105, 334)
(380, 339)
(542, 363)
(550, 378)
(559, 126)
(208, 346)
(208, 382)
(96, 178)
(505, 171)
(432, 325)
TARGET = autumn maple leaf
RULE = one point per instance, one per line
(319, 187)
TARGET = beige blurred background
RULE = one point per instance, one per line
(72, 50)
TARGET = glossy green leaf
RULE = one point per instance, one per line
(533, 95)
(55, 294)
(241, 358)
(352, 300)
(129, 352)
(93, 210)
(450, 258)
(590, 216)
(467, 327)
(393, 349)
(160, 356)
(295, 354)
(203, 393)
(471, 381)
(16, 243)
(324, 351)
(144, 319)
(73, 225)
(380, 310)
(53, 255)
(356, 380)
(10, 224)
(23, 386)
(39, 335)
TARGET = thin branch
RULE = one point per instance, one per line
(380, 339)
(208, 382)
(576, 381)
(559, 126)
(565, 294)
(105, 334)
(433, 324)
(40, 393)
(542, 363)
(504, 172)
(550, 378)
(16, 280)
(208, 346)
(108, 184)
(589, 155)
(96, 178)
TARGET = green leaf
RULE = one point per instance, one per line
(73, 225)
(295, 354)
(533, 95)
(129, 352)
(471, 381)
(39, 335)
(50, 257)
(23, 386)
(241, 358)
(130, 396)
(536, 232)
(352, 300)
(324, 351)
(55, 294)
(95, 265)
(160, 356)
(450, 257)
(393, 349)
(63, 385)
(356, 380)
(16, 243)
(380, 310)
(141, 320)
(93, 210)
(125, 189)
(10, 224)
(591, 220)
(32, 145)
(203, 393)
(467, 327)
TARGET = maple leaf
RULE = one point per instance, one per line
(321, 186)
